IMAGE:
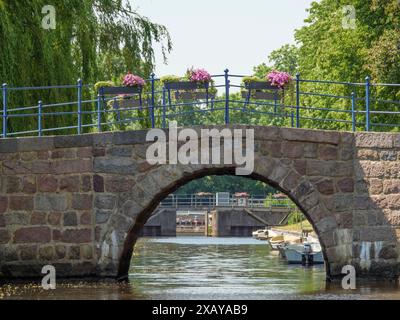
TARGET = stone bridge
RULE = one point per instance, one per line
(79, 202)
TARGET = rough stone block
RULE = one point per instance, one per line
(64, 154)
(21, 203)
(5, 236)
(13, 167)
(328, 152)
(51, 202)
(35, 144)
(62, 142)
(29, 185)
(86, 252)
(388, 155)
(38, 218)
(86, 183)
(17, 218)
(391, 186)
(102, 216)
(72, 166)
(86, 152)
(28, 252)
(74, 253)
(69, 183)
(8, 145)
(32, 235)
(326, 186)
(86, 218)
(105, 201)
(328, 137)
(326, 224)
(47, 183)
(77, 236)
(3, 204)
(46, 253)
(374, 140)
(291, 149)
(98, 183)
(12, 184)
(54, 218)
(115, 165)
(70, 219)
(119, 184)
(82, 201)
(120, 151)
(60, 251)
(346, 185)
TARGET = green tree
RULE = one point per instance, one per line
(230, 184)
(283, 59)
(331, 51)
(88, 35)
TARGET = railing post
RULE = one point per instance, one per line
(5, 93)
(98, 113)
(367, 103)
(152, 100)
(79, 106)
(40, 105)
(298, 100)
(164, 109)
(227, 87)
(353, 111)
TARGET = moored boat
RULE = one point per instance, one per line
(303, 253)
(276, 242)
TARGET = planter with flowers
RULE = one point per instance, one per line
(270, 88)
(196, 84)
(126, 96)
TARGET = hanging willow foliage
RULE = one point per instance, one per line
(93, 40)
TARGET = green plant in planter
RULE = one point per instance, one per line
(252, 79)
(103, 84)
(172, 78)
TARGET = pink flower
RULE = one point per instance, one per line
(279, 79)
(199, 75)
(131, 80)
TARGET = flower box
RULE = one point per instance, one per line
(131, 103)
(186, 85)
(260, 85)
(103, 91)
(261, 95)
(185, 95)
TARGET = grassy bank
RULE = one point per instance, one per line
(298, 227)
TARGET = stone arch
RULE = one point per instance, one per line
(282, 175)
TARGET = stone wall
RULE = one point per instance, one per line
(228, 222)
(79, 202)
(164, 221)
(376, 216)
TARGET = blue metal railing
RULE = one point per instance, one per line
(309, 104)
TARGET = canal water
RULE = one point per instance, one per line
(207, 268)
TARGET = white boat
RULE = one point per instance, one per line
(264, 234)
(303, 253)
(276, 242)
(257, 233)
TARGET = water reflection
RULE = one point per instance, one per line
(207, 268)
(218, 268)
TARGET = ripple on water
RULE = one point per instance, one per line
(207, 268)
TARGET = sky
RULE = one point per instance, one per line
(220, 34)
